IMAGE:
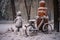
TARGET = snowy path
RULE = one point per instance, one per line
(40, 36)
(14, 36)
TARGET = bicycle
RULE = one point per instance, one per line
(47, 27)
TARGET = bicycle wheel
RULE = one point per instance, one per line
(28, 31)
(47, 28)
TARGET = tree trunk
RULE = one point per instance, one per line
(13, 9)
(56, 15)
(28, 7)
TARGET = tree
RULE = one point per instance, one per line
(13, 9)
(28, 4)
(3, 7)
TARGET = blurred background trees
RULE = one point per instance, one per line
(8, 9)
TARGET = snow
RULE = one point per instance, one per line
(9, 35)
(39, 36)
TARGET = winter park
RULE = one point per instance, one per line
(29, 20)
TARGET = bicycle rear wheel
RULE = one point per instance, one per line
(47, 28)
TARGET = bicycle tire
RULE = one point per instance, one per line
(47, 25)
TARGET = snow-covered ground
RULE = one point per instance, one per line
(4, 35)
